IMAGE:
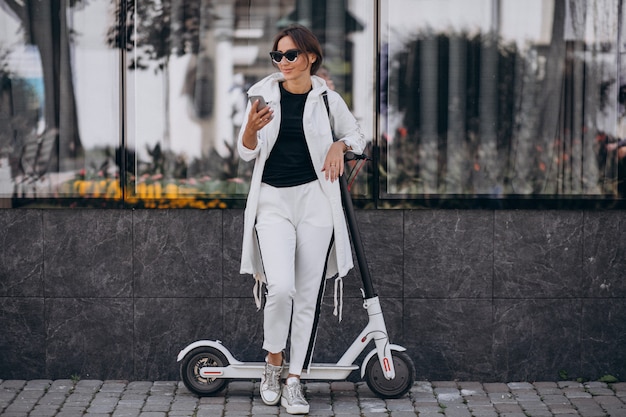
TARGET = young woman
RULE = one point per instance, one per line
(295, 233)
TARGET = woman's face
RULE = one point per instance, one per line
(294, 71)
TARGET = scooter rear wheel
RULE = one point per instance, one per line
(190, 371)
(390, 388)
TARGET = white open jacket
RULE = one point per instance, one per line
(318, 134)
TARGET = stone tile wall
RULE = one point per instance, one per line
(473, 295)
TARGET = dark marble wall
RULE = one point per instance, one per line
(473, 295)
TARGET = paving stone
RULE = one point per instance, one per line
(376, 405)
(456, 410)
(508, 408)
(87, 385)
(112, 398)
(399, 404)
(14, 384)
(480, 405)
(126, 413)
(485, 414)
(562, 409)
(130, 404)
(422, 386)
(428, 409)
(153, 414)
(546, 387)
(320, 387)
(538, 413)
(619, 387)
(576, 393)
(426, 402)
(482, 409)
(527, 397)
(402, 414)
(320, 413)
(502, 398)
(600, 391)
(444, 384)
(100, 409)
(343, 388)
(447, 392)
(472, 391)
(496, 387)
(569, 384)
(555, 399)
(42, 411)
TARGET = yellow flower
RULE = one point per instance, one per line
(171, 191)
(113, 189)
(142, 190)
(158, 190)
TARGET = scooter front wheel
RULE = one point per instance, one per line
(190, 368)
(390, 388)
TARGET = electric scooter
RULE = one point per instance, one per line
(206, 366)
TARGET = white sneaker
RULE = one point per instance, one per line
(292, 397)
(270, 383)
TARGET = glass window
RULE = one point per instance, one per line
(60, 102)
(139, 103)
(143, 108)
(189, 65)
(500, 98)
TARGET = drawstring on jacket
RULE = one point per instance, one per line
(338, 305)
(257, 290)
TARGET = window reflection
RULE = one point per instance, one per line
(173, 73)
(59, 95)
(499, 98)
(479, 98)
(189, 67)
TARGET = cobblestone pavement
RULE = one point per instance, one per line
(94, 398)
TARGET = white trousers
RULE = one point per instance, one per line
(294, 227)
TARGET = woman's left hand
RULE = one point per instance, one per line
(333, 164)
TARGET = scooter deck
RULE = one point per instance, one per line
(253, 370)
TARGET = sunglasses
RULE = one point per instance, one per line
(291, 55)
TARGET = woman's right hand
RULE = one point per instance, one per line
(257, 120)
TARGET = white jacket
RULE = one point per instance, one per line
(317, 131)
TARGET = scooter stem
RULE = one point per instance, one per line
(366, 278)
(376, 328)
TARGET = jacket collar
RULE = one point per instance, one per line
(269, 85)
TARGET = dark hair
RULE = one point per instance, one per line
(305, 40)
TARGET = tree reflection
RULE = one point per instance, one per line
(157, 30)
(44, 24)
(480, 116)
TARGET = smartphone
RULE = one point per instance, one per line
(262, 102)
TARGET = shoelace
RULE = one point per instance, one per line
(271, 378)
(295, 392)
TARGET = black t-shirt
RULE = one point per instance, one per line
(289, 163)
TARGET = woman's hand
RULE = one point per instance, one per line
(333, 164)
(257, 120)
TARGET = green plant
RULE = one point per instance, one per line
(609, 379)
